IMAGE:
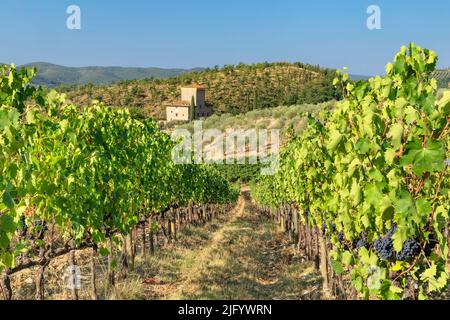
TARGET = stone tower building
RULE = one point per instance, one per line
(181, 110)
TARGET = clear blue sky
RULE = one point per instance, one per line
(201, 33)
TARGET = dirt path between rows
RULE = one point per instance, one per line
(240, 257)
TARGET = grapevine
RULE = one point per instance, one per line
(92, 175)
(377, 165)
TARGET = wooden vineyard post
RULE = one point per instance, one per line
(317, 245)
(174, 224)
(301, 234)
(133, 246)
(199, 215)
(162, 226)
(157, 231)
(184, 216)
(150, 236)
(447, 236)
(5, 285)
(143, 242)
(306, 247)
(72, 266)
(290, 223)
(124, 258)
(286, 219)
(282, 217)
(195, 215)
(324, 265)
(313, 247)
(204, 217)
(295, 225)
(277, 216)
(308, 242)
(179, 219)
(190, 213)
(40, 281)
(169, 225)
(111, 275)
(331, 280)
(94, 294)
(300, 237)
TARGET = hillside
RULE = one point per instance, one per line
(443, 77)
(52, 75)
(288, 119)
(231, 89)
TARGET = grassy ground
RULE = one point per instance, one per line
(242, 257)
(238, 256)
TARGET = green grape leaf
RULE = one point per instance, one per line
(337, 267)
(428, 158)
(396, 134)
(347, 258)
(8, 200)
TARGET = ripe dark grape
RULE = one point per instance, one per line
(384, 245)
(429, 247)
(341, 236)
(378, 244)
(411, 248)
(22, 228)
(391, 231)
(361, 243)
(332, 225)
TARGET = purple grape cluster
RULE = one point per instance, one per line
(411, 248)
(325, 229)
(22, 228)
(384, 245)
(361, 242)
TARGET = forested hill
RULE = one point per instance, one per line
(231, 89)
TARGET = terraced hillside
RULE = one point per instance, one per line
(443, 78)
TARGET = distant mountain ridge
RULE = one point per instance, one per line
(52, 75)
